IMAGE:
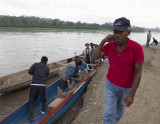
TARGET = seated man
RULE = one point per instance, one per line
(84, 66)
(154, 41)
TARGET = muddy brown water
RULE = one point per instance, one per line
(19, 50)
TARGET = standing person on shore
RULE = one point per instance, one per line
(124, 74)
(148, 38)
(86, 53)
(40, 72)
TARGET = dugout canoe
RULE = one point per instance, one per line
(22, 79)
(20, 115)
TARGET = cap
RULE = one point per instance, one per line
(121, 24)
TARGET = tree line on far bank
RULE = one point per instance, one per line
(37, 22)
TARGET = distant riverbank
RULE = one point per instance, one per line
(49, 29)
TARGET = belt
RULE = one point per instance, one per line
(38, 84)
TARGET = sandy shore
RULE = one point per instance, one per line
(144, 110)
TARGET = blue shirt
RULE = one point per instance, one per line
(71, 73)
(91, 54)
(82, 67)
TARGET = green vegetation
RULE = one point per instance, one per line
(32, 23)
(48, 29)
(137, 29)
(157, 29)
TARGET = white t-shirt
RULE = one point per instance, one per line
(87, 51)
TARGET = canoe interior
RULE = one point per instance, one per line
(22, 112)
(56, 113)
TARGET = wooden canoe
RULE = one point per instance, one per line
(22, 79)
(20, 115)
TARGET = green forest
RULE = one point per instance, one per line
(37, 22)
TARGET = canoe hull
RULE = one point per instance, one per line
(72, 98)
(20, 115)
(22, 79)
(57, 112)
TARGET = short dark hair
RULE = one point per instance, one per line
(86, 44)
(69, 60)
(44, 59)
(79, 62)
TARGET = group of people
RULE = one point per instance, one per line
(88, 53)
(40, 72)
(149, 35)
(122, 80)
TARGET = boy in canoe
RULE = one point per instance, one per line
(84, 66)
(40, 72)
(124, 74)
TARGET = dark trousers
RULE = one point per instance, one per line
(64, 85)
(35, 91)
(88, 60)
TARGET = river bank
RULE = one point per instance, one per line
(49, 29)
(144, 110)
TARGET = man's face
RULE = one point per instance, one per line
(120, 36)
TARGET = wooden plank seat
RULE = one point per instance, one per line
(54, 103)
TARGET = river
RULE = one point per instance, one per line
(19, 50)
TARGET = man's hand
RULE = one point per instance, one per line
(98, 52)
(109, 38)
(128, 100)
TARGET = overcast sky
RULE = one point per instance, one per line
(143, 13)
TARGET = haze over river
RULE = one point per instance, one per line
(19, 50)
